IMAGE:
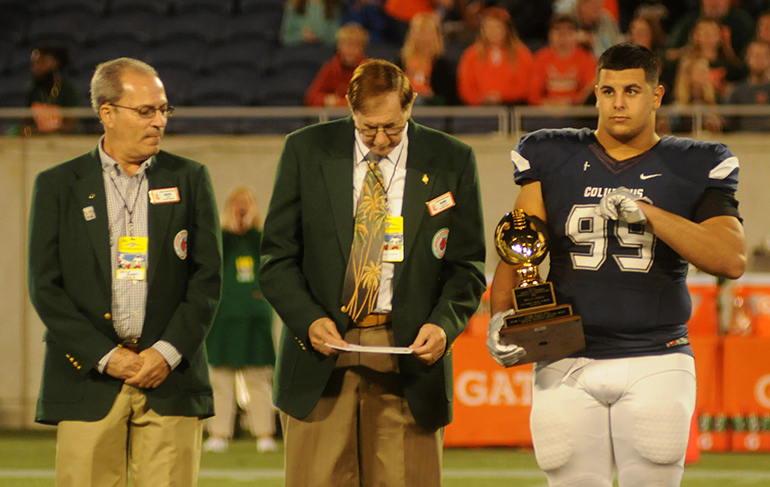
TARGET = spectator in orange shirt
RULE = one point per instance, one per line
(331, 83)
(496, 69)
(563, 73)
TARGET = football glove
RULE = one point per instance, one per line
(505, 355)
(620, 204)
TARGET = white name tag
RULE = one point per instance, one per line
(164, 195)
(442, 203)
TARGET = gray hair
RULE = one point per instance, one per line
(107, 82)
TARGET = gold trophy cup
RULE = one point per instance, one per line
(546, 330)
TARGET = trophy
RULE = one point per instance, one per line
(546, 330)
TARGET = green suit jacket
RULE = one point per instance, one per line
(70, 286)
(306, 243)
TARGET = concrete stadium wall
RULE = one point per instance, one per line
(233, 161)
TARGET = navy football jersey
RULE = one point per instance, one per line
(629, 287)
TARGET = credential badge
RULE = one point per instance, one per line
(89, 213)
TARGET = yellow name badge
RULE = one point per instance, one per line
(393, 249)
(244, 266)
(132, 258)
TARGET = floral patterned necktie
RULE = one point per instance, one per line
(362, 277)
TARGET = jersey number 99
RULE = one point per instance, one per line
(586, 228)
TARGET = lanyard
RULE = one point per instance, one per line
(130, 210)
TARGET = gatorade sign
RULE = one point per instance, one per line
(491, 403)
(508, 387)
(746, 375)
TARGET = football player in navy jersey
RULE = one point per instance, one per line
(626, 210)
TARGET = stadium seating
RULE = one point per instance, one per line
(13, 88)
(253, 54)
(152, 6)
(222, 7)
(225, 87)
(177, 81)
(96, 7)
(204, 26)
(182, 53)
(68, 28)
(247, 6)
(18, 60)
(6, 50)
(286, 87)
(387, 52)
(302, 56)
(87, 59)
(138, 24)
(262, 25)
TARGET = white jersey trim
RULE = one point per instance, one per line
(724, 168)
(519, 161)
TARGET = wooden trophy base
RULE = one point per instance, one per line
(546, 335)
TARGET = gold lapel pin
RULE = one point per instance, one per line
(91, 196)
(425, 178)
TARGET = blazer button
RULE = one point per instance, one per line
(107, 316)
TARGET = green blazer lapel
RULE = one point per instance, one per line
(92, 200)
(159, 215)
(338, 176)
(420, 178)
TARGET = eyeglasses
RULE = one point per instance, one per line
(389, 131)
(149, 111)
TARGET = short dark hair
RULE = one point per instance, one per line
(60, 53)
(628, 55)
(375, 77)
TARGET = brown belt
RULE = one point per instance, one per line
(375, 319)
(131, 344)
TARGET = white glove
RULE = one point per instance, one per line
(620, 204)
(505, 355)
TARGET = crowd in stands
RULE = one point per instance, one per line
(455, 52)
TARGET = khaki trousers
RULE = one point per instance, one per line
(258, 382)
(362, 432)
(161, 451)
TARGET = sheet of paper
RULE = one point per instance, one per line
(370, 349)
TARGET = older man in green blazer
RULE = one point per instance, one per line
(125, 273)
(364, 418)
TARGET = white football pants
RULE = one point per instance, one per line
(589, 416)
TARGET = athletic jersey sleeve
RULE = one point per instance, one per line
(724, 173)
(538, 150)
(521, 156)
(719, 196)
